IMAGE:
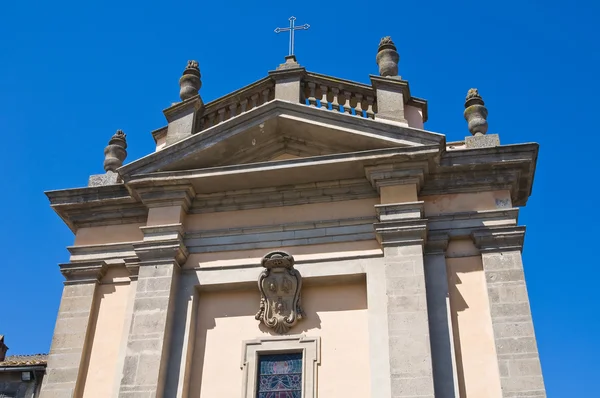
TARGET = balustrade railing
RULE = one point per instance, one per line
(234, 104)
(338, 95)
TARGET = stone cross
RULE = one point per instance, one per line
(291, 29)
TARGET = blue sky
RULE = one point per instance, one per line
(71, 73)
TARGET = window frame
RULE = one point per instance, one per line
(310, 347)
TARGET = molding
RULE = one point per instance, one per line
(173, 112)
(509, 167)
(97, 206)
(281, 235)
(277, 109)
(401, 224)
(83, 272)
(180, 194)
(290, 195)
(437, 243)
(397, 174)
(162, 243)
(159, 133)
(463, 224)
(499, 239)
(310, 347)
(108, 251)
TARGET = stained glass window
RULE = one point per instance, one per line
(280, 376)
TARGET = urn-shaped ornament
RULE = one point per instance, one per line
(476, 113)
(115, 153)
(189, 82)
(387, 57)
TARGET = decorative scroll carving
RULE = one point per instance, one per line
(279, 286)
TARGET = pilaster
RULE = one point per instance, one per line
(516, 347)
(402, 231)
(161, 254)
(66, 362)
(440, 324)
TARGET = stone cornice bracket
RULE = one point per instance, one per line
(132, 264)
(83, 272)
(161, 244)
(400, 224)
(437, 243)
(169, 195)
(397, 174)
(498, 239)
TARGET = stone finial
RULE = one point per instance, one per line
(476, 113)
(190, 82)
(115, 153)
(387, 58)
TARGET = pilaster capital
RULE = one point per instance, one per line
(162, 243)
(132, 264)
(397, 174)
(83, 271)
(171, 195)
(400, 224)
(498, 239)
(437, 243)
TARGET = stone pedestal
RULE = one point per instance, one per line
(287, 80)
(482, 141)
(182, 119)
(391, 93)
(516, 348)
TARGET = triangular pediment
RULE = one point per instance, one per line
(278, 131)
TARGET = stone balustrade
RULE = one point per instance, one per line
(338, 95)
(237, 103)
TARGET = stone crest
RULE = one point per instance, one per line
(279, 284)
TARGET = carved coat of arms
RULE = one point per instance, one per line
(279, 286)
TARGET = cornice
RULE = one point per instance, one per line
(507, 167)
(397, 174)
(161, 244)
(400, 224)
(437, 243)
(101, 252)
(83, 272)
(289, 195)
(499, 239)
(464, 224)
(180, 194)
(97, 206)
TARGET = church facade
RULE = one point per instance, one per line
(303, 236)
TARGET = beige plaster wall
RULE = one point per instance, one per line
(398, 193)
(414, 116)
(107, 334)
(338, 314)
(451, 203)
(165, 215)
(108, 234)
(281, 215)
(161, 142)
(477, 366)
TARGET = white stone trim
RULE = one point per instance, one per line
(311, 358)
